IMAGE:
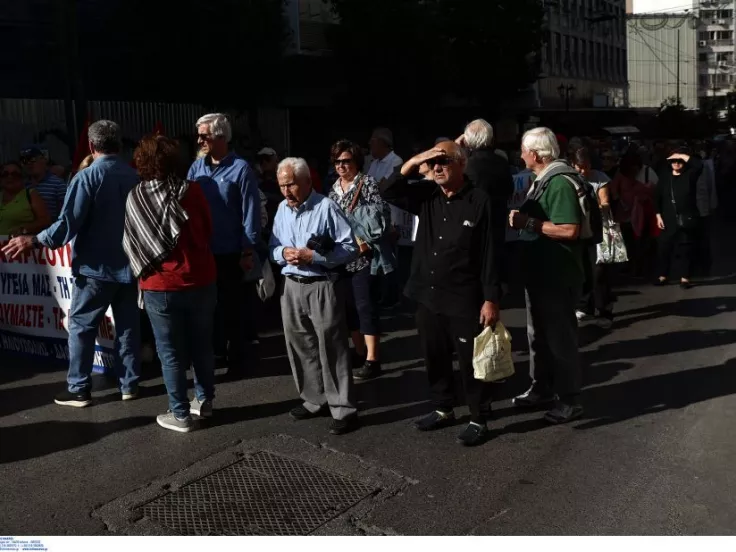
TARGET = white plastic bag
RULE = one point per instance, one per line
(492, 354)
(267, 283)
(612, 250)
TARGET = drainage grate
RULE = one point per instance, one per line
(263, 494)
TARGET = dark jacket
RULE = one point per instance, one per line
(685, 191)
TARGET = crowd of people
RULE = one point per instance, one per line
(189, 246)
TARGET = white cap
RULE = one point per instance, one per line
(267, 151)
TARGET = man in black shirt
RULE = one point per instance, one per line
(453, 279)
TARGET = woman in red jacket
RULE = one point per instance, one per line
(167, 238)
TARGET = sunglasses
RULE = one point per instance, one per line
(677, 162)
(343, 161)
(8, 174)
(441, 161)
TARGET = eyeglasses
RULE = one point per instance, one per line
(10, 174)
(343, 161)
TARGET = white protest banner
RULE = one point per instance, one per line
(522, 183)
(406, 223)
(35, 298)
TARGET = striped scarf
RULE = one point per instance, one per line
(153, 221)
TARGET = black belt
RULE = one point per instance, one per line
(307, 279)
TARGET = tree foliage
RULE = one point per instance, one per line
(424, 50)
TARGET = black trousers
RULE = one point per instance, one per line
(439, 336)
(363, 294)
(552, 329)
(229, 328)
(676, 249)
(597, 292)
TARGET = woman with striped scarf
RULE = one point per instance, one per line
(168, 228)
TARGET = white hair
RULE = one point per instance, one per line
(218, 124)
(543, 142)
(296, 164)
(478, 134)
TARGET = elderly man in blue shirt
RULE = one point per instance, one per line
(311, 238)
(93, 216)
(231, 189)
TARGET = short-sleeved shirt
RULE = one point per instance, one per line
(547, 261)
(598, 180)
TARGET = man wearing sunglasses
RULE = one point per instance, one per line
(50, 187)
(453, 279)
(231, 189)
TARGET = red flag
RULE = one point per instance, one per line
(82, 150)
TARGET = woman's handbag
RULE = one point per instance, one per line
(492, 354)
(612, 250)
(687, 221)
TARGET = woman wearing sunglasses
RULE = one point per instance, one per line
(370, 217)
(22, 211)
(678, 218)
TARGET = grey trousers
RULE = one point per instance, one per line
(317, 344)
(552, 329)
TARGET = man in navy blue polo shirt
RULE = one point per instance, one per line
(231, 188)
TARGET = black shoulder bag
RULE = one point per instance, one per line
(686, 222)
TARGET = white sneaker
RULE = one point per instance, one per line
(203, 409)
(169, 421)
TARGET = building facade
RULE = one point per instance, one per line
(716, 44)
(584, 55)
(662, 59)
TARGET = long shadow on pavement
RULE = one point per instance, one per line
(694, 308)
(28, 441)
(618, 402)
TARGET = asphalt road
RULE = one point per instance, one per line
(654, 453)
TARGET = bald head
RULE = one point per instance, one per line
(452, 150)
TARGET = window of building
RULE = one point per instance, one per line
(598, 59)
(624, 69)
(591, 58)
(567, 62)
(574, 55)
(583, 57)
(558, 54)
(724, 56)
(702, 57)
(703, 35)
(703, 80)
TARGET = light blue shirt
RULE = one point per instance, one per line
(319, 216)
(93, 215)
(231, 189)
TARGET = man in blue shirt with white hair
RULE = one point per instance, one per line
(231, 189)
(311, 238)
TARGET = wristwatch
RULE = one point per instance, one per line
(531, 225)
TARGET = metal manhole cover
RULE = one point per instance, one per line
(263, 494)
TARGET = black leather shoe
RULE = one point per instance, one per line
(532, 398)
(301, 413)
(346, 425)
(474, 435)
(563, 413)
(371, 369)
(435, 420)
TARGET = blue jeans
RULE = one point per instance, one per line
(90, 300)
(182, 323)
